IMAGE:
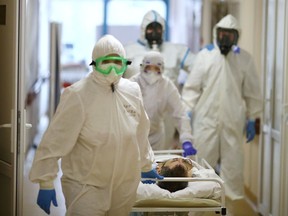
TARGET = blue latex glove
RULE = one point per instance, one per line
(45, 197)
(151, 174)
(250, 130)
(188, 149)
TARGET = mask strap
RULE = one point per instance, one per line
(92, 63)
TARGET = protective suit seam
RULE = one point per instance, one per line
(81, 104)
(184, 58)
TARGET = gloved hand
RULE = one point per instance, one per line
(151, 174)
(250, 130)
(45, 197)
(188, 149)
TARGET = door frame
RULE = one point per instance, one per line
(266, 135)
(21, 112)
(10, 28)
(284, 161)
(273, 198)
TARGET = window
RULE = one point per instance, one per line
(125, 17)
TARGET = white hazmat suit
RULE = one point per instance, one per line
(177, 57)
(102, 137)
(222, 92)
(161, 96)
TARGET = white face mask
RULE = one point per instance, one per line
(112, 76)
(151, 77)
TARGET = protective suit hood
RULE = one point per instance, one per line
(228, 22)
(153, 58)
(149, 17)
(106, 45)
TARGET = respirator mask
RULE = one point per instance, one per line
(153, 34)
(226, 38)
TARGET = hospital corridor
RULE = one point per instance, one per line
(102, 93)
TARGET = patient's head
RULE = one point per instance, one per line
(176, 167)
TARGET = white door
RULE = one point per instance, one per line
(273, 144)
(12, 115)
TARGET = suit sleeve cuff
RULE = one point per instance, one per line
(46, 185)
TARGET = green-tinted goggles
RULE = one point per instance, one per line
(105, 64)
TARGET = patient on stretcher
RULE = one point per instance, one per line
(175, 193)
(174, 167)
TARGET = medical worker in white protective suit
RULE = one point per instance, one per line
(177, 57)
(224, 94)
(100, 131)
(161, 96)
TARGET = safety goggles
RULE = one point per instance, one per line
(105, 64)
(152, 69)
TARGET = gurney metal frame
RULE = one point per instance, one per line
(221, 209)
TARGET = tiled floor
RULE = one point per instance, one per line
(240, 208)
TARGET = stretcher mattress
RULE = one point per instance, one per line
(178, 203)
(203, 190)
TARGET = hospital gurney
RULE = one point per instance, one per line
(203, 194)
